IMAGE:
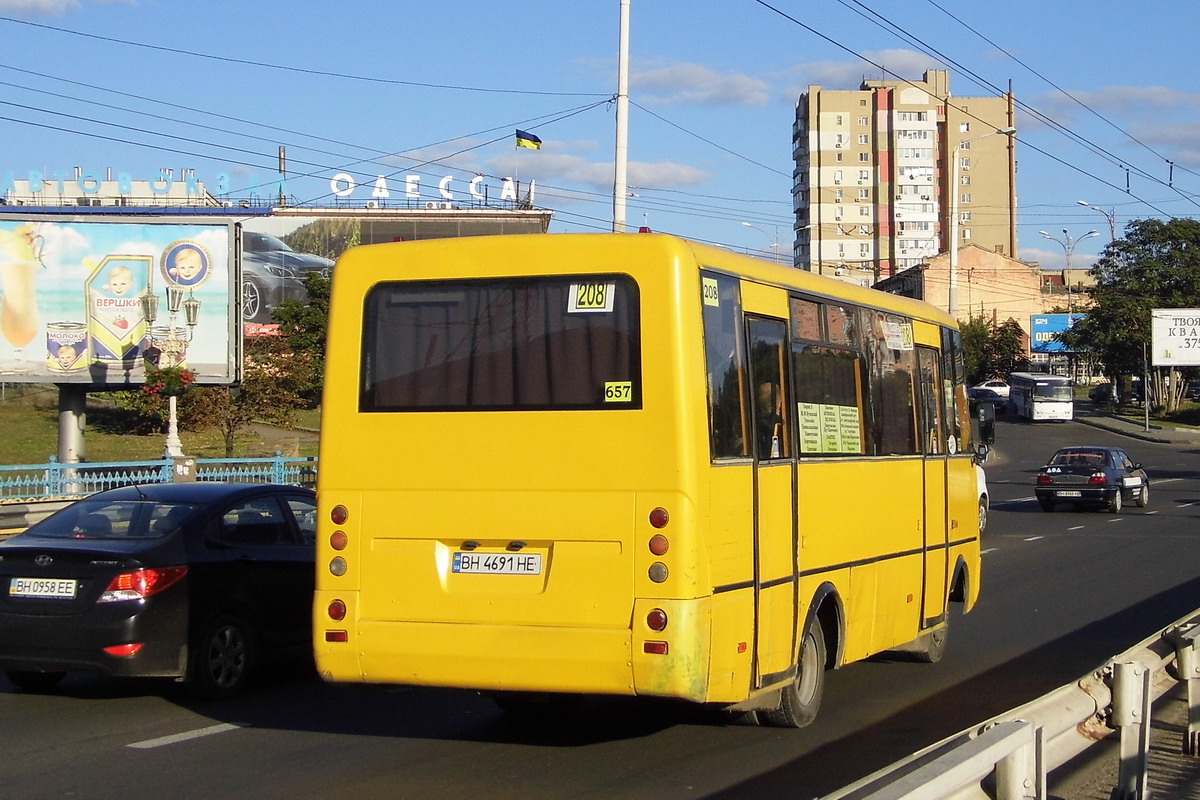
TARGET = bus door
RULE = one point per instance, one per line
(933, 444)
(774, 500)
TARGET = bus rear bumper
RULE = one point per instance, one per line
(484, 657)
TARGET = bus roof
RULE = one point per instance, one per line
(705, 256)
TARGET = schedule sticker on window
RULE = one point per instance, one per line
(591, 298)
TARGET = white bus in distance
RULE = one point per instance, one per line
(1040, 396)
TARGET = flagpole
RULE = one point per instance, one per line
(620, 181)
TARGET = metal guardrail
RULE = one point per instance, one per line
(1009, 756)
(54, 479)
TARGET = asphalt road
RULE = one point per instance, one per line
(1061, 593)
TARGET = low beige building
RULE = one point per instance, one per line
(990, 285)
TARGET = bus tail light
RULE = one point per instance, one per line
(659, 517)
(338, 540)
(656, 620)
(339, 515)
(655, 648)
(337, 566)
(659, 544)
(337, 610)
(658, 572)
(337, 636)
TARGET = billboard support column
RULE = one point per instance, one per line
(72, 420)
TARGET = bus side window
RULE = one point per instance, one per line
(724, 350)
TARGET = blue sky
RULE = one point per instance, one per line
(1108, 99)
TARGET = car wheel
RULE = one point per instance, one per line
(1143, 496)
(222, 658)
(1046, 503)
(800, 699)
(983, 514)
(252, 301)
(31, 681)
(1114, 503)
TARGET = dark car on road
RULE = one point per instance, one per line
(976, 395)
(272, 272)
(1096, 476)
(194, 581)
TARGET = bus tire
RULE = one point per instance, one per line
(800, 699)
(931, 646)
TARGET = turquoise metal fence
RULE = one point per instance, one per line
(55, 479)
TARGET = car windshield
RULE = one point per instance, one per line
(115, 519)
(1078, 458)
(263, 243)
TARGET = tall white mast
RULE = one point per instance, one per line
(620, 182)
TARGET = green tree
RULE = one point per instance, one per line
(976, 338)
(1008, 348)
(1155, 265)
(304, 326)
(992, 350)
(272, 378)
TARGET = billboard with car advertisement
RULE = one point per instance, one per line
(1044, 330)
(83, 300)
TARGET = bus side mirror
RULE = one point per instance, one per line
(985, 414)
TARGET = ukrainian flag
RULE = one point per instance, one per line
(528, 140)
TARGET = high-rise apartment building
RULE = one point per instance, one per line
(874, 186)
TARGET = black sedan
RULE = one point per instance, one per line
(1103, 476)
(193, 581)
(977, 394)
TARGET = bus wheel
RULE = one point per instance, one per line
(932, 646)
(800, 699)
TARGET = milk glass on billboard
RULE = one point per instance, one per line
(82, 299)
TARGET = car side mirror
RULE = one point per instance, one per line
(981, 453)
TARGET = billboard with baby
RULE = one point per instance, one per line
(88, 300)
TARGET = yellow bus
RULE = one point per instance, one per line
(634, 465)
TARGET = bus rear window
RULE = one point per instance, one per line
(563, 342)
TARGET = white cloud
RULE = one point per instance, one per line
(907, 64)
(561, 169)
(697, 85)
(56, 8)
(1181, 138)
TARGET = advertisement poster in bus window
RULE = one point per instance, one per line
(82, 301)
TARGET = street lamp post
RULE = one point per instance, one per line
(1110, 216)
(955, 167)
(774, 242)
(173, 351)
(1068, 245)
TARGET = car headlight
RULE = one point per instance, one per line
(280, 272)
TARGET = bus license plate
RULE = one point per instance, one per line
(53, 588)
(498, 563)
(1070, 494)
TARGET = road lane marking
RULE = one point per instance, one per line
(989, 550)
(186, 736)
(1033, 538)
(1115, 520)
(1077, 528)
